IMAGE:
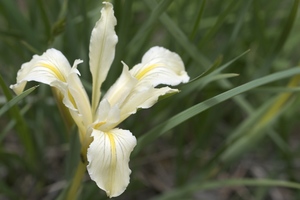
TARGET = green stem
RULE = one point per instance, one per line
(72, 192)
(76, 182)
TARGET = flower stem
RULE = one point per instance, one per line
(76, 182)
(73, 189)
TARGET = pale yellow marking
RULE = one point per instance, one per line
(57, 73)
(60, 76)
(145, 71)
(99, 124)
(72, 99)
(113, 161)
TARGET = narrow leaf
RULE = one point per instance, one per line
(198, 108)
(209, 185)
(16, 100)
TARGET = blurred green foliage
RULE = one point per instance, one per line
(219, 132)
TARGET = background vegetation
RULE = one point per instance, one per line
(223, 137)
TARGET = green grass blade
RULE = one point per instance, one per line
(8, 192)
(278, 46)
(198, 20)
(238, 25)
(10, 11)
(181, 38)
(12, 123)
(221, 19)
(73, 157)
(124, 21)
(198, 108)
(25, 137)
(16, 100)
(287, 28)
(185, 191)
(258, 21)
(252, 136)
(161, 7)
(72, 161)
(214, 69)
(45, 17)
(253, 130)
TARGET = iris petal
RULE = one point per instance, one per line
(119, 91)
(102, 49)
(160, 66)
(143, 97)
(51, 68)
(108, 157)
(77, 100)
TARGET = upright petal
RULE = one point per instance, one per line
(119, 91)
(77, 100)
(111, 103)
(108, 157)
(160, 66)
(102, 50)
(51, 68)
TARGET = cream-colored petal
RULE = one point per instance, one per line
(51, 68)
(143, 97)
(160, 66)
(107, 116)
(102, 50)
(108, 157)
(108, 112)
(76, 99)
(119, 91)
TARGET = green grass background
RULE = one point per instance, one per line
(231, 133)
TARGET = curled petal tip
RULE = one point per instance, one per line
(160, 66)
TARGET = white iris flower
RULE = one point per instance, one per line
(108, 148)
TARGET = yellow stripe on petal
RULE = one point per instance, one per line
(97, 126)
(143, 72)
(57, 73)
(72, 100)
(108, 157)
(160, 66)
(113, 163)
(113, 145)
(51, 68)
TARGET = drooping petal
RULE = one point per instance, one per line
(144, 96)
(102, 49)
(51, 68)
(160, 66)
(108, 157)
